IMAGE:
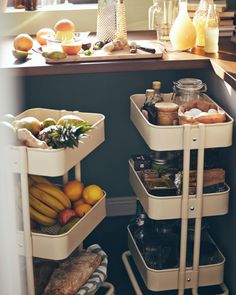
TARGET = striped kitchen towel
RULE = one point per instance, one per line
(99, 275)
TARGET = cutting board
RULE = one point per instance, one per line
(101, 55)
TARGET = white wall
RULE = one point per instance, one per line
(84, 16)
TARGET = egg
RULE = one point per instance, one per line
(203, 114)
(212, 111)
(187, 113)
(195, 112)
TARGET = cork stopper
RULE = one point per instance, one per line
(150, 92)
(156, 85)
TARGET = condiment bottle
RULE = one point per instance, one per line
(183, 33)
(156, 85)
(30, 5)
(19, 4)
(212, 30)
(148, 108)
(167, 113)
(199, 21)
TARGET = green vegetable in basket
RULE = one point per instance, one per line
(68, 226)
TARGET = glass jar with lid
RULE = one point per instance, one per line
(187, 89)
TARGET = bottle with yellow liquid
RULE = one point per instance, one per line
(212, 30)
(183, 32)
(199, 21)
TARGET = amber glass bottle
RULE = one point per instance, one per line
(19, 4)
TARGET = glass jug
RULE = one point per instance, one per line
(161, 16)
(183, 33)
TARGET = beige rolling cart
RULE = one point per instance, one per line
(171, 138)
(56, 162)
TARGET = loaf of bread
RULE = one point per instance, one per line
(72, 274)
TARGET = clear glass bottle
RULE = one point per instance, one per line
(161, 16)
(199, 21)
(212, 30)
(183, 33)
(156, 85)
(121, 27)
(106, 20)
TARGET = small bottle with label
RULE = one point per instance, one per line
(212, 30)
(148, 109)
(199, 21)
(30, 5)
(156, 85)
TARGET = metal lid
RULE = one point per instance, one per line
(189, 85)
(156, 85)
(150, 92)
(166, 106)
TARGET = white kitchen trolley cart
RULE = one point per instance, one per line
(54, 163)
(186, 138)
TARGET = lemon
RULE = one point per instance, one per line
(92, 194)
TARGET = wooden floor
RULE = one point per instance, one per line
(111, 235)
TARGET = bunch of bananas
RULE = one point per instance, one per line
(46, 200)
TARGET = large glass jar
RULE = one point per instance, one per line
(187, 89)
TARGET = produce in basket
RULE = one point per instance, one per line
(201, 111)
(58, 136)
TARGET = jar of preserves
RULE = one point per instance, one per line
(187, 89)
(167, 113)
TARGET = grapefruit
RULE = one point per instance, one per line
(42, 33)
(23, 42)
(71, 48)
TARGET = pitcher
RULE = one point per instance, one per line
(161, 16)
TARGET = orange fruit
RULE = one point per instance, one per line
(23, 42)
(82, 209)
(71, 48)
(92, 194)
(42, 33)
(73, 189)
(76, 203)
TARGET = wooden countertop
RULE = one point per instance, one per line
(224, 63)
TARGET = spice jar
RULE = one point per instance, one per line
(187, 89)
(167, 113)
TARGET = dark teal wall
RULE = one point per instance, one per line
(231, 4)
